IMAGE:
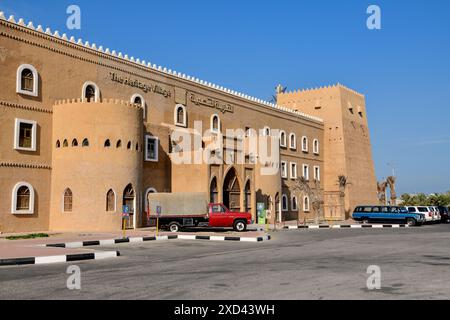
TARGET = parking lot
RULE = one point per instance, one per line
(298, 264)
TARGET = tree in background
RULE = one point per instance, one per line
(422, 199)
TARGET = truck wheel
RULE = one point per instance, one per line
(174, 227)
(240, 226)
(410, 222)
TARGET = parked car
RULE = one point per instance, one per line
(445, 217)
(429, 216)
(387, 214)
(436, 214)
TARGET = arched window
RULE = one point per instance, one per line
(129, 145)
(304, 144)
(22, 199)
(294, 204)
(65, 143)
(74, 143)
(283, 139)
(85, 143)
(107, 143)
(292, 141)
(316, 146)
(27, 80)
(119, 144)
(248, 197)
(90, 92)
(284, 203)
(266, 131)
(213, 191)
(140, 101)
(67, 200)
(215, 123)
(306, 204)
(58, 144)
(137, 146)
(180, 115)
(111, 201)
(149, 191)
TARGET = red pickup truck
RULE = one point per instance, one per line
(177, 211)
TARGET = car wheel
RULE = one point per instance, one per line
(410, 222)
(174, 227)
(365, 221)
(240, 226)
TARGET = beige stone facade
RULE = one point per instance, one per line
(86, 130)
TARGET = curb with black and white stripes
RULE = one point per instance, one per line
(60, 258)
(147, 239)
(348, 226)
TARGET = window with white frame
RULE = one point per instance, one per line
(306, 171)
(215, 123)
(317, 173)
(293, 170)
(25, 135)
(283, 139)
(316, 146)
(180, 116)
(27, 82)
(284, 172)
(140, 101)
(292, 141)
(151, 148)
(306, 204)
(284, 203)
(266, 132)
(90, 92)
(22, 199)
(294, 204)
(304, 144)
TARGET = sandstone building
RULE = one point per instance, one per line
(86, 130)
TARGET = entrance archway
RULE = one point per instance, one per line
(232, 191)
(128, 200)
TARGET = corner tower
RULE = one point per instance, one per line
(347, 146)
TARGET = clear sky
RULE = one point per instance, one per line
(250, 46)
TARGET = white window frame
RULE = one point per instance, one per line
(284, 209)
(156, 159)
(294, 203)
(14, 198)
(218, 122)
(144, 105)
(307, 171)
(83, 91)
(175, 118)
(293, 168)
(316, 146)
(305, 149)
(308, 207)
(292, 142)
(35, 91)
(149, 190)
(317, 173)
(284, 172)
(17, 134)
(283, 141)
(265, 134)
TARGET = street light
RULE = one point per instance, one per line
(393, 168)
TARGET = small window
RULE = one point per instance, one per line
(85, 143)
(119, 144)
(25, 135)
(58, 144)
(317, 173)
(293, 170)
(111, 201)
(283, 139)
(376, 209)
(90, 92)
(67, 201)
(137, 146)
(65, 143)
(306, 171)
(27, 80)
(284, 170)
(305, 144)
(22, 199)
(151, 148)
(316, 146)
(140, 101)
(215, 123)
(180, 115)
(306, 204)
(129, 145)
(74, 143)
(266, 132)
(292, 141)
(294, 203)
(284, 203)
(107, 143)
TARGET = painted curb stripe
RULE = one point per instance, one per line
(232, 239)
(91, 243)
(349, 226)
(50, 259)
(16, 261)
(202, 237)
(80, 257)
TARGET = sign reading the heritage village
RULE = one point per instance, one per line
(135, 83)
(212, 103)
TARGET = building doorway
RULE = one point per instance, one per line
(232, 191)
(128, 200)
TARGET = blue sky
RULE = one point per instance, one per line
(250, 46)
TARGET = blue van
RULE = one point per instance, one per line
(387, 214)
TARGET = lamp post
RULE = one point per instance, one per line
(393, 168)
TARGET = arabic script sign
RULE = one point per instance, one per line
(212, 103)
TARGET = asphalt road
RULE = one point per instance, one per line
(325, 264)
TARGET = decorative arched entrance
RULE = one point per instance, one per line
(128, 200)
(232, 191)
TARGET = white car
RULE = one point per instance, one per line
(429, 215)
(437, 215)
